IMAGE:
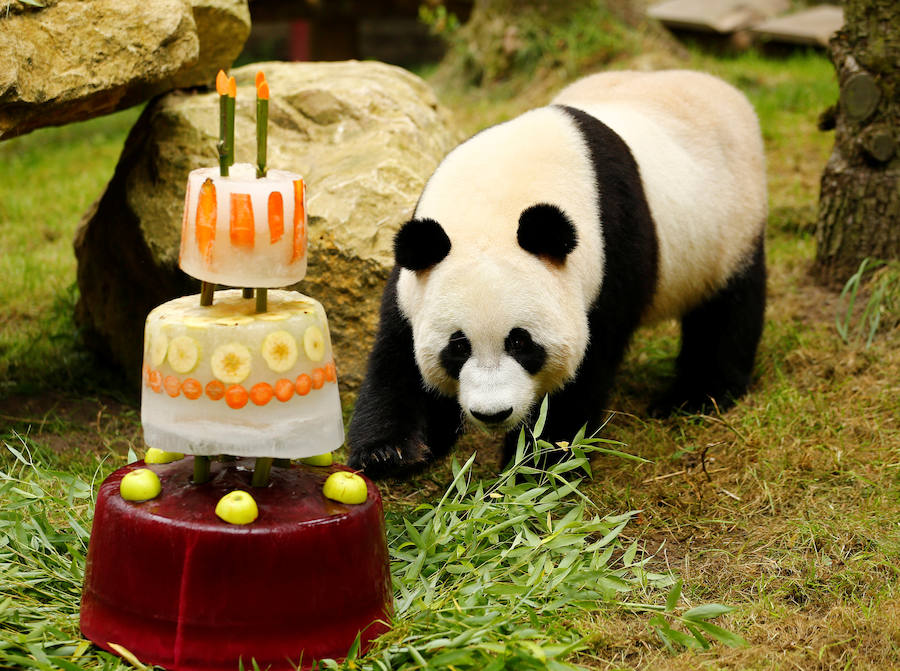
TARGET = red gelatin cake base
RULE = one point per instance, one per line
(178, 587)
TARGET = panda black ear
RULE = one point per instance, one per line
(420, 244)
(545, 230)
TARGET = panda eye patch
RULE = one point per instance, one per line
(455, 353)
(521, 347)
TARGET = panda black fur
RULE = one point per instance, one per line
(539, 245)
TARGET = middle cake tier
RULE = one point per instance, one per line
(223, 379)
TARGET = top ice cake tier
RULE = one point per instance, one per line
(242, 231)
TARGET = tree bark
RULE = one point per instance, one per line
(859, 203)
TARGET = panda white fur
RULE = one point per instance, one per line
(539, 245)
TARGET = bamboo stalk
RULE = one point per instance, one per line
(261, 471)
(262, 123)
(247, 292)
(262, 299)
(201, 469)
(207, 289)
(222, 144)
(229, 119)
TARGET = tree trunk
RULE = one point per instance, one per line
(859, 205)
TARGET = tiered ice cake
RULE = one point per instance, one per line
(234, 554)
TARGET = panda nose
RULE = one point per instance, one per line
(492, 418)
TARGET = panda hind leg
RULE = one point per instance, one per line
(719, 339)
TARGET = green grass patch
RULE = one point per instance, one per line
(50, 178)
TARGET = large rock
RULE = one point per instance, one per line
(72, 60)
(364, 135)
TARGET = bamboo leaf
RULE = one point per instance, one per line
(730, 639)
(542, 418)
(706, 612)
(674, 596)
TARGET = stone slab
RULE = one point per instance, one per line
(717, 16)
(813, 26)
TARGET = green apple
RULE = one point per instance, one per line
(157, 456)
(237, 507)
(318, 460)
(346, 487)
(141, 484)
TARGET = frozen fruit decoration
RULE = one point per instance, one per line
(345, 487)
(279, 349)
(183, 354)
(155, 456)
(237, 507)
(318, 460)
(140, 485)
(231, 362)
(314, 343)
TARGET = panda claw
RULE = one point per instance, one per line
(391, 461)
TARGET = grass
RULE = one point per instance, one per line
(784, 508)
(50, 179)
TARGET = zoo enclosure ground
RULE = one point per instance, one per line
(786, 506)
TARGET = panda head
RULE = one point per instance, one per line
(495, 321)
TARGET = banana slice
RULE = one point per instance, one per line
(314, 343)
(183, 354)
(300, 304)
(231, 363)
(197, 322)
(276, 316)
(234, 321)
(159, 344)
(279, 349)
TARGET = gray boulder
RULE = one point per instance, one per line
(72, 60)
(364, 135)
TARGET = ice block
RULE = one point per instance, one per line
(242, 231)
(223, 379)
(180, 588)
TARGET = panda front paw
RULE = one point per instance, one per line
(689, 401)
(389, 460)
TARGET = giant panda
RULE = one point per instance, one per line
(539, 245)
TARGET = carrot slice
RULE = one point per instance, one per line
(330, 372)
(222, 83)
(242, 225)
(262, 91)
(206, 220)
(215, 390)
(276, 216)
(261, 393)
(318, 378)
(236, 396)
(232, 87)
(284, 389)
(299, 220)
(172, 385)
(304, 384)
(155, 381)
(260, 78)
(191, 388)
